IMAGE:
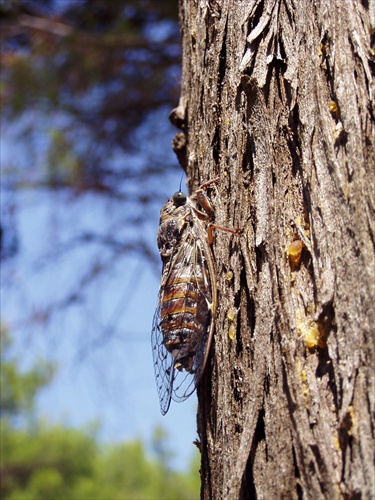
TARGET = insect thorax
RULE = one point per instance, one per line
(173, 221)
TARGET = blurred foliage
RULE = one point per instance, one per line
(58, 462)
(44, 461)
(86, 89)
(17, 388)
(89, 72)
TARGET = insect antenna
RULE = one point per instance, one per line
(181, 182)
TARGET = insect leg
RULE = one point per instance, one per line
(208, 183)
(209, 211)
(212, 226)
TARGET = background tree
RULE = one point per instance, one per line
(277, 100)
(101, 69)
(39, 460)
(86, 88)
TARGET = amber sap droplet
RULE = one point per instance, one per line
(295, 252)
(315, 336)
(333, 108)
(322, 50)
(232, 331)
(229, 275)
(231, 313)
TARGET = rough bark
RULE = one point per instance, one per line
(277, 101)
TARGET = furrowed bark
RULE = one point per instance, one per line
(277, 100)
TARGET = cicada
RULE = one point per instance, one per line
(184, 318)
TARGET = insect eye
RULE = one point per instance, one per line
(179, 198)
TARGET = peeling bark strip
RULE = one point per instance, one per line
(277, 99)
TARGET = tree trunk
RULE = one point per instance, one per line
(276, 101)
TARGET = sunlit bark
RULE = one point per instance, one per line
(277, 101)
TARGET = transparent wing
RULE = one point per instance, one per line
(163, 363)
(189, 263)
(170, 382)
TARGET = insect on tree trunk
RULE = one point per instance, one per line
(277, 101)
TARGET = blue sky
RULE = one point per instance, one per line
(102, 346)
(101, 343)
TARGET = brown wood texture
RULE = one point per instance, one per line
(277, 101)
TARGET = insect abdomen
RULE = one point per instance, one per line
(184, 319)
